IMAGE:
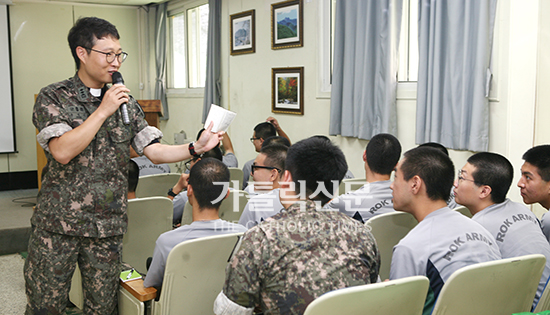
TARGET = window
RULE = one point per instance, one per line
(188, 40)
(408, 44)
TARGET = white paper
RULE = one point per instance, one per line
(221, 117)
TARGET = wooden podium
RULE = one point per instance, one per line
(153, 111)
(151, 108)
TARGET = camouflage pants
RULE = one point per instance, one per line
(50, 265)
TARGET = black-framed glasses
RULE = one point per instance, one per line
(252, 139)
(188, 163)
(110, 56)
(254, 166)
(460, 178)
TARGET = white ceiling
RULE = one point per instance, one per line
(114, 2)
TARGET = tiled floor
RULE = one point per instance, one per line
(15, 212)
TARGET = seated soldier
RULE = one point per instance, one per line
(482, 186)
(534, 183)
(375, 197)
(444, 240)
(267, 170)
(262, 131)
(206, 196)
(290, 259)
(178, 193)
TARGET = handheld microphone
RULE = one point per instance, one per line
(117, 79)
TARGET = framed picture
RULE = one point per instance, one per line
(243, 33)
(287, 24)
(287, 90)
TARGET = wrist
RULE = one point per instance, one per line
(195, 149)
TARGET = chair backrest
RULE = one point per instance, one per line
(147, 219)
(404, 296)
(351, 184)
(230, 210)
(156, 184)
(186, 291)
(496, 287)
(544, 301)
(236, 176)
(388, 229)
(464, 211)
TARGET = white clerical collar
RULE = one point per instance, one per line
(95, 92)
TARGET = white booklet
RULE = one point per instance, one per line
(221, 117)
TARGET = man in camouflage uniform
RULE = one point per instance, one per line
(80, 215)
(290, 259)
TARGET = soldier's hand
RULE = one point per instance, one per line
(113, 98)
(208, 139)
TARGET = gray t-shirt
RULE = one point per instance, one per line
(545, 224)
(261, 207)
(517, 232)
(170, 239)
(146, 167)
(439, 245)
(364, 203)
(230, 160)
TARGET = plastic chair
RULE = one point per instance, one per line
(184, 290)
(496, 287)
(236, 177)
(148, 218)
(464, 211)
(388, 229)
(402, 296)
(351, 184)
(237, 199)
(156, 184)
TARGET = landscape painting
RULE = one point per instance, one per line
(286, 24)
(287, 90)
(243, 33)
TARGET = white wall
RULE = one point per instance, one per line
(41, 55)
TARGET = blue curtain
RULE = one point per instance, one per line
(364, 81)
(212, 88)
(455, 41)
(160, 58)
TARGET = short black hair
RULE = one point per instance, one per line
(206, 178)
(215, 153)
(275, 156)
(383, 153)
(276, 140)
(316, 161)
(86, 31)
(133, 176)
(493, 170)
(434, 167)
(435, 145)
(265, 130)
(539, 156)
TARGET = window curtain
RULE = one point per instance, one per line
(212, 87)
(455, 40)
(364, 81)
(160, 58)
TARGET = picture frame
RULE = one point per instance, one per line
(287, 90)
(243, 32)
(287, 24)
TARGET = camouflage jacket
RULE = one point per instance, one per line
(290, 259)
(87, 196)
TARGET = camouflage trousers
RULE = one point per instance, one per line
(50, 266)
